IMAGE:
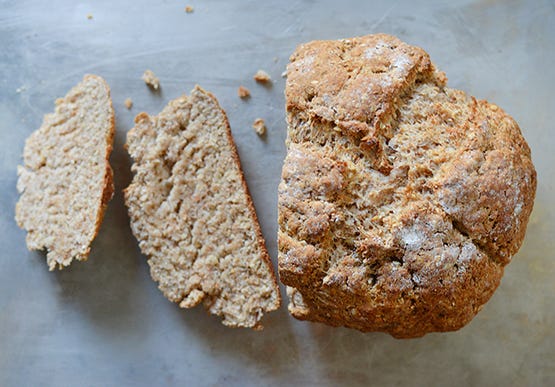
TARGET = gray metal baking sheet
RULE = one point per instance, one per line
(104, 322)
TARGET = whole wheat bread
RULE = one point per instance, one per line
(401, 199)
(66, 180)
(191, 212)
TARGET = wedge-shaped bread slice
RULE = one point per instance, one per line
(66, 180)
(191, 211)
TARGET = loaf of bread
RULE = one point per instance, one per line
(191, 212)
(66, 180)
(401, 199)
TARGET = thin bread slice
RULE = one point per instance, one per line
(66, 180)
(192, 214)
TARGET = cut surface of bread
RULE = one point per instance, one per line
(192, 214)
(65, 181)
(401, 199)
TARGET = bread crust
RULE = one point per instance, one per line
(108, 189)
(401, 200)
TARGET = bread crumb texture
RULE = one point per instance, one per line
(401, 199)
(65, 181)
(189, 9)
(151, 80)
(259, 126)
(192, 214)
(262, 77)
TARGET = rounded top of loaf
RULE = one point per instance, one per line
(401, 200)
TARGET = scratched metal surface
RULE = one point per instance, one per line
(105, 323)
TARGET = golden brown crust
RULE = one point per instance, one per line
(353, 83)
(401, 200)
(498, 199)
(356, 84)
(108, 190)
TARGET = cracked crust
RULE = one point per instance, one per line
(401, 200)
(66, 179)
(192, 214)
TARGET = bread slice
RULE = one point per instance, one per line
(401, 199)
(66, 180)
(191, 212)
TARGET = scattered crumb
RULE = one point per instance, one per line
(284, 74)
(89, 16)
(243, 92)
(259, 126)
(151, 80)
(276, 59)
(189, 9)
(21, 89)
(262, 76)
(128, 103)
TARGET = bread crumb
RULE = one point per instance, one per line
(128, 103)
(189, 9)
(259, 126)
(243, 92)
(262, 76)
(284, 74)
(276, 59)
(151, 80)
(89, 16)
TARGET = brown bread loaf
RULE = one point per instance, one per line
(401, 199)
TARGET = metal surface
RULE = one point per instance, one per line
(104, 322)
